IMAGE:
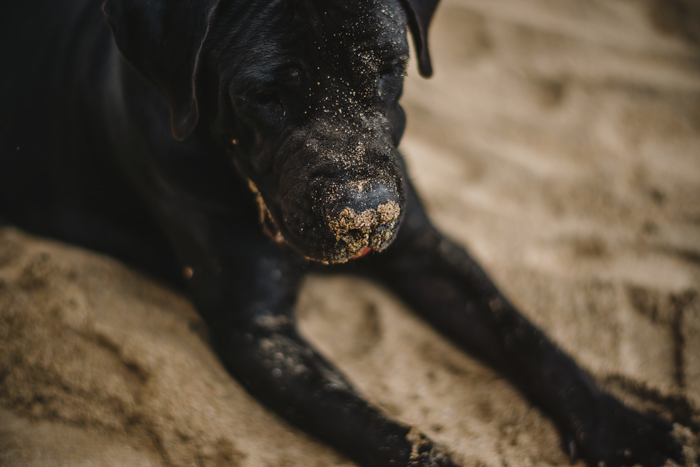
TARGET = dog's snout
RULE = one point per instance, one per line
(364, 218)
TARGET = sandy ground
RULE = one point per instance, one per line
(559, 141)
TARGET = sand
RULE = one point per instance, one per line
(559, 141)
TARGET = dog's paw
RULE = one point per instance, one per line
(613, 435)
(425, 453)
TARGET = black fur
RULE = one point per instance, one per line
(166, 138)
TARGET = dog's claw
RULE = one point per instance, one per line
(425, 453)
(573, 451)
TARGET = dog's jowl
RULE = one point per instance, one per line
(248, 143)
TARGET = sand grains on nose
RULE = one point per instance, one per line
(359, 230)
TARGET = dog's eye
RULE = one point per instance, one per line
(271, 101)
(268, 97)
(392, 66)
(387, 69)
(391, 73)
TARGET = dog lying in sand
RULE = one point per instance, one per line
(166, 134)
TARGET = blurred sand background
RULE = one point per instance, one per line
(559, 141)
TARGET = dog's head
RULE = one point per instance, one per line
(301, 94)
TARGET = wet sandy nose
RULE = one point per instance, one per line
(364, 218)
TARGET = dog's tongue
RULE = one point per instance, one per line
(363, 252)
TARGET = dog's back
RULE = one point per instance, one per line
(27, 49)
(57, 174)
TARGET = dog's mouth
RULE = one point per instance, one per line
(268, 222)
(351, 234)
(363, 252)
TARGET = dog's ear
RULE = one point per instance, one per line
(163, 40)
(420, 12)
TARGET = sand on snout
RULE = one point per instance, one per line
(558, 140)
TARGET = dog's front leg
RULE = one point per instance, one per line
(445, 285)
(246, 287)
(263, 349)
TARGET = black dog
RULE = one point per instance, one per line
(166, 140)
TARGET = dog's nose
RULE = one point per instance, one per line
(364, 216)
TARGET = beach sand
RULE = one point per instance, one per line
(559, 141)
